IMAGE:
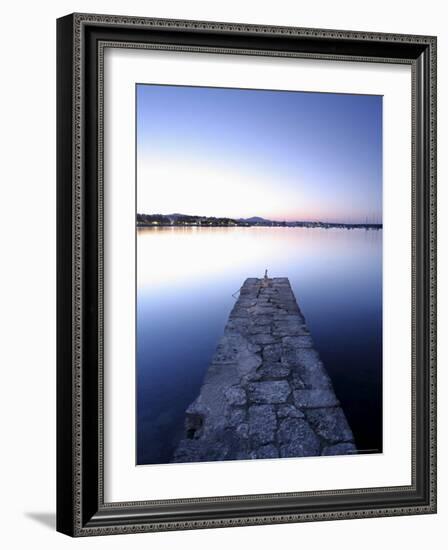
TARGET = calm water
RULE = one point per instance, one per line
(186, 278)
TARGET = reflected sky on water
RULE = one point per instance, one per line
(186, 277)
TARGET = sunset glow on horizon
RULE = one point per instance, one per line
(292, 156)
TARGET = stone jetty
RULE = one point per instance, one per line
(266, 393)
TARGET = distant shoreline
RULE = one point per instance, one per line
(181, 220)
(376, 227)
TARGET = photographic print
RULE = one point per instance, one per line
(259, 274)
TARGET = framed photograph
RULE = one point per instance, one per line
(246, 274)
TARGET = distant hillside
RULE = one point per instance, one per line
(255, 219)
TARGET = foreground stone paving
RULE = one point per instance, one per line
(266, 393)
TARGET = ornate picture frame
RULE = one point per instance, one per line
(81, 506)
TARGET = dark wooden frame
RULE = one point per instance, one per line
(81, 510)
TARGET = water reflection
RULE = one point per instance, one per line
(186, 277)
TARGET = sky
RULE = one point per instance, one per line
(276, 154)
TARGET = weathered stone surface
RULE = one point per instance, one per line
(273, 370)
(262, 320)
(267, 451)
(294, 343)
(297, 438)
(262, 423)
(288, 328)
(288, 410)
(272, 353)
(264, 339)
(308, 366)
(245, 455)
(257, 329)
(237, 417)
(315, 398)
(266, 393)
(243, 430)
(261, 310)
(236, 395)
(276, 391)
(330, 424)
(296, 380)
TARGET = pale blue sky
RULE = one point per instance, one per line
(241, 153)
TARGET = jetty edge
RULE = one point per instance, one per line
(266, 393)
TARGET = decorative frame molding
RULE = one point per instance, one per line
(81, 42)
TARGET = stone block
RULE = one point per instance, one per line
(275, 391)
(262, 424)
(315, 398)
(330, 424)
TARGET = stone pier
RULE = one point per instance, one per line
(266, 393)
